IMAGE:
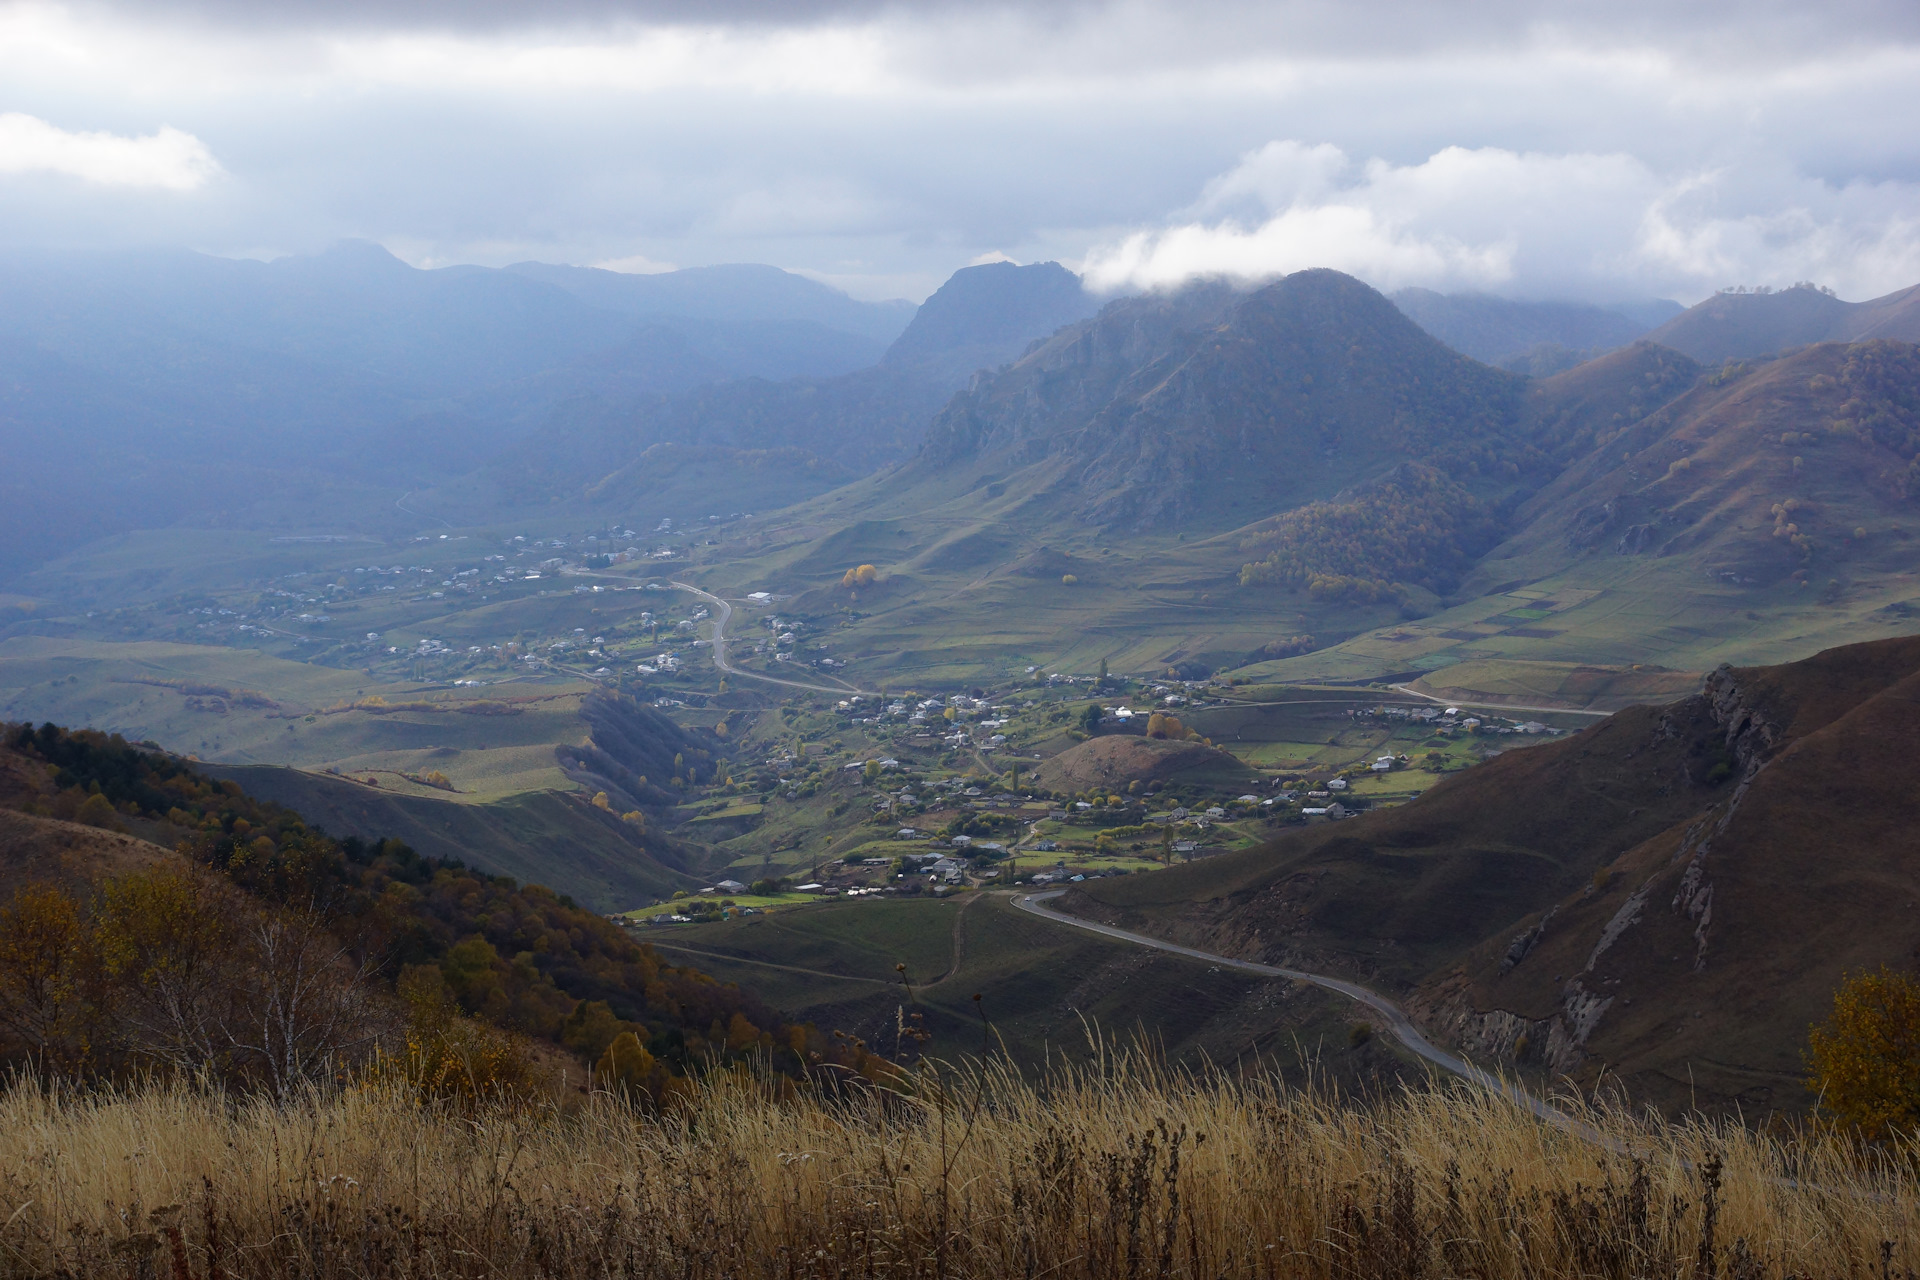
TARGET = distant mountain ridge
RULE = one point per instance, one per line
(987, 315)
(145, 388)
(736, 291)
(825, 431)
(1740, 325)
(1530, 337)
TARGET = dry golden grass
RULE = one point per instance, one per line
(1127, 1171)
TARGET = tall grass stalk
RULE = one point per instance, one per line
(1125, 1169)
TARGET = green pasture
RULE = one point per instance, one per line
(112, 687)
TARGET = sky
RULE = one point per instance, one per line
(1605, 152)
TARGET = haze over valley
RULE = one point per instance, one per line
(846, 574)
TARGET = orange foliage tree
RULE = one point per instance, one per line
(1864, 1060)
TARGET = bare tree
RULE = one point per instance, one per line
(211, 982)
(305, 1006)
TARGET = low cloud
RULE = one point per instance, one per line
(636, 265)
(166, 159)
(1580, 225)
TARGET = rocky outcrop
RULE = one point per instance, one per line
(1751, 735)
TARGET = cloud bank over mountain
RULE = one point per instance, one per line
(1527, 224)
(1596, 149)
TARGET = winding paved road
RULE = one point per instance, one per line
(1497, 706)
(720, 621)
(1397, 1021)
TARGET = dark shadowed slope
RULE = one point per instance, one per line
(1670, 896)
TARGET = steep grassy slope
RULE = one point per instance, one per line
(1697, 960)
(1699, 479)
(1669, 897)
(538, 837)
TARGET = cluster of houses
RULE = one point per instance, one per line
(1454, 718)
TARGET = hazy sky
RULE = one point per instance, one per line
(1623, 149)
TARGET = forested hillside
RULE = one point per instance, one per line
(265, 951)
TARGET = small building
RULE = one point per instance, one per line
(730, 886)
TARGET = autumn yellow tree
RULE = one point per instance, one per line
(625, 1065)
(49, 973)
(1864, 1060)
(860, 576)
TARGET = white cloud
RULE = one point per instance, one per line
(636, 265)
(168, 158)
(1582, 225)
(1577, 148)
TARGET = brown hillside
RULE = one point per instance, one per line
(1572, 411)
(46, 850)
(1706, 872)
(1114, 760)
(1830, 430)
(1695, 963)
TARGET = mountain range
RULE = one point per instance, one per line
(1301, 459)
(1536, 338)
(144, 389)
